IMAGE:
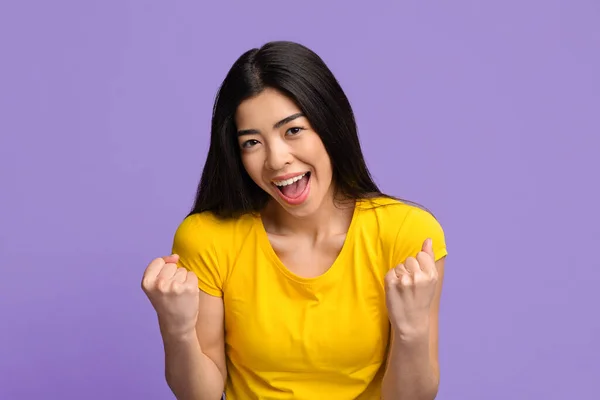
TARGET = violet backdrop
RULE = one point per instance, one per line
(486, 112)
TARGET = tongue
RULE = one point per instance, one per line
(295, 189)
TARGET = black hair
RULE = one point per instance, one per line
(225, 188)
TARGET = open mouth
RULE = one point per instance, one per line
(294, 187)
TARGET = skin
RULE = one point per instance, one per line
(272, 144)
(191, 325)
(275, 139)
(413, 293)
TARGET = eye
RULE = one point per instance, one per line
(249, 143)
(294, 131)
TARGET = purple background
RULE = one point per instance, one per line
(486, 112)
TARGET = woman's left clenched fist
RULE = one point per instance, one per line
(410, 288)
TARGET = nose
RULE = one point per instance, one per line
(278, 156)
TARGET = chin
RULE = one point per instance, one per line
(300, 212)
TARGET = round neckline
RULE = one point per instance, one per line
(331, 271)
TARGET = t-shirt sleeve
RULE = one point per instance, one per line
(197, 253)
(418, 225)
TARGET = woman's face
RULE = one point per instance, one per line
(282, 153)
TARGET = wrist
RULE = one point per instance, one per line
(178, 335)
(412, 332)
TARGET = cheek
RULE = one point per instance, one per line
(325, 168)
(313, 148)
(253, 167)
(323, 162)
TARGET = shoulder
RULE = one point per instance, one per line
(202, 230)
(390, 214)
(206, 245)
(386, 208)
(403, 227)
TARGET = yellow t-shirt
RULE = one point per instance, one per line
(289, 337)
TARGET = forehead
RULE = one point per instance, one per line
(264, 109)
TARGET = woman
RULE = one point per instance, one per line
(294, 277)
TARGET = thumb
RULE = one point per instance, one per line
(173, 258)
(391, 278)
(428, 247)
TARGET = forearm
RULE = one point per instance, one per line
(190, 374)
(410, 374)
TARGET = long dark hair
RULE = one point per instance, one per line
(225, 188)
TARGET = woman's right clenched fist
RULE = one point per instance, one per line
(174, 294)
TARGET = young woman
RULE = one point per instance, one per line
(294, 277)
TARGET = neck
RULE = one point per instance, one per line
(329, 219)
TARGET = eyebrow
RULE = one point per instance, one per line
(277, 125)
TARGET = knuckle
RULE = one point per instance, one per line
(427, 280)
(162, 285)
(158, 261)
(146, 283)
(192, 277)
(191, 288)
(178, 288)
(389, 277)
(182, 272)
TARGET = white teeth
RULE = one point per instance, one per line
(289, 181)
